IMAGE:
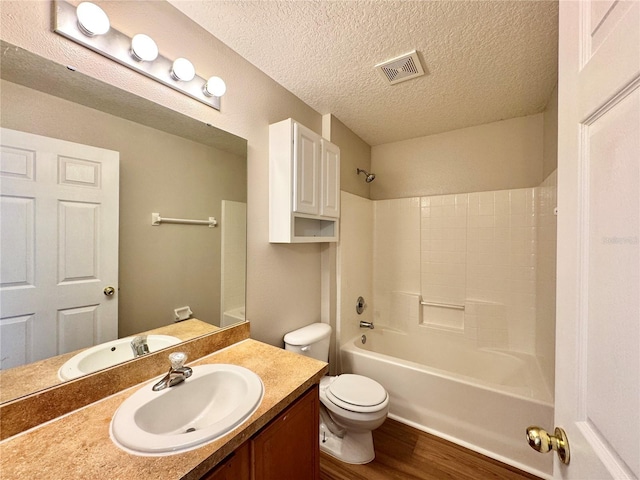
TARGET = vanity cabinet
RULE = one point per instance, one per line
(236, 466)
(304, 185)
(287, 448)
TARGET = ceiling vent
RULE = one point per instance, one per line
(402, 68)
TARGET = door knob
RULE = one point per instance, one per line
(109, 291)
(542, 442)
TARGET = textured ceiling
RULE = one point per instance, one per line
(485, 60)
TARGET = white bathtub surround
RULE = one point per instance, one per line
(481, 247)
(479, 374)
(355, 269)
(396, 247)
(233, 226)
(443, 248)
(405, 311)
(480, 399)
(546, 276)
(487, 324)
(233, 316)
(478, 247)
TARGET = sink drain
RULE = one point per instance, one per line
(190, 430)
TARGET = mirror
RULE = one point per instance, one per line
(169, 163)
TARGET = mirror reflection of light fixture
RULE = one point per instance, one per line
(89, 26)
(183, 70)
(91, 19)
(143, 48)
(215, 87)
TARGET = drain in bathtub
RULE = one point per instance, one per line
(190, 430)
(363, 339)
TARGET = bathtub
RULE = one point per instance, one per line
(481, 399)
(233, 316)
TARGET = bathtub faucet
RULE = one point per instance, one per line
(139, 346)
(364, 324)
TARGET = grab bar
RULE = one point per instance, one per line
(442, 305)
(156, 220)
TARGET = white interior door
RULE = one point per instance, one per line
(58, 246)
(598, 314)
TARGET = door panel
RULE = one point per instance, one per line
(59, 232)
(330, 180)
(15, 338)
(612, 308)
(598, 297)
(77, 326)
(306, 170)
(17, 269)
(78, 234)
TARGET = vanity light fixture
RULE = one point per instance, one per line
(215, 87)
(143, 48)
(89, 26)
(92, 20)
(183, 70)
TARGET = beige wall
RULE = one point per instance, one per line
(496, 156)
(354, 153)
(550, 152)
(161, 268)
(283, 283)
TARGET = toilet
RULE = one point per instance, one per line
(351, 406)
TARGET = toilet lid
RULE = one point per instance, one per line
(356, 391)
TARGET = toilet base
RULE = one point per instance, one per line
(354, 448)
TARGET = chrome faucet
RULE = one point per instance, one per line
(364, 324)
(139, 346)
(177, 373)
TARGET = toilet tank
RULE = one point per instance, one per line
(312, 341)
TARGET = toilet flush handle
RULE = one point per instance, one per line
(306, 348)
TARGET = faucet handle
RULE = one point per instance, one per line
(139, 340)
(177, 359)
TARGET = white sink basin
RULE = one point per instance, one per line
(109, 354)
(216, 399)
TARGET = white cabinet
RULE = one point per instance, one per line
(304, 185)
(330, 195)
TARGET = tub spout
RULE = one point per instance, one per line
(364, 324)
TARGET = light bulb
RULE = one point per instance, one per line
(183, 69)
(143, 48)
(91, 19)
(215, 87)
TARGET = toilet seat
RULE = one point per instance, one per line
(357, 393)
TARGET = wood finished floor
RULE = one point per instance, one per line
(404, 453)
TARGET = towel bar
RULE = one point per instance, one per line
(156, 220)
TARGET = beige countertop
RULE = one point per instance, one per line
(78, 445)
(26, 379)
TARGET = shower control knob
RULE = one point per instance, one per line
(542, 442)
(360, 305)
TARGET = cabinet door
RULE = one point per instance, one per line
(330, 197)
(306, 170)
(288, 448)
(235, 467)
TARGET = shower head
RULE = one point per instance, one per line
(368, 177)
